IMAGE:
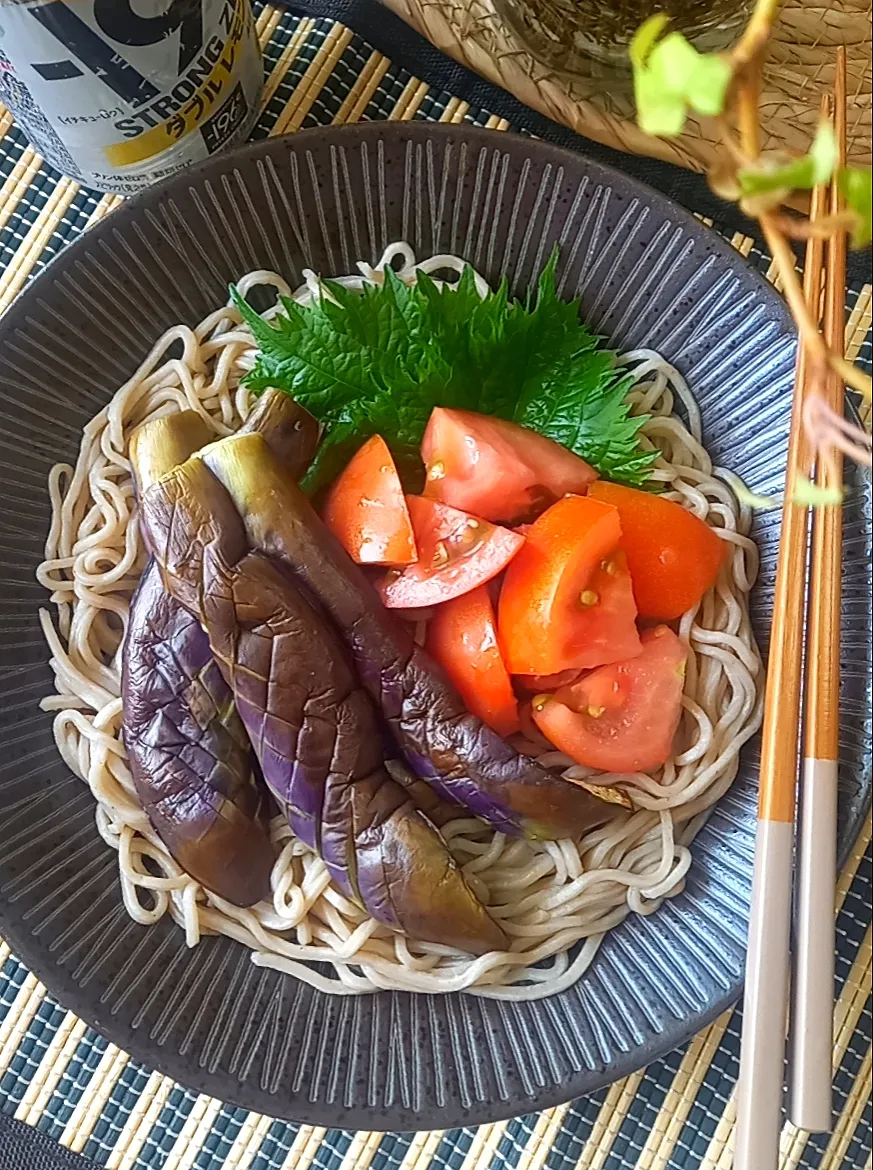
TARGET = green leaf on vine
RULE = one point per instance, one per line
(856, 186)
(754, 501)
(646, 37)
(781, 178)
(810, 494)
(671, 77)
(805, 493)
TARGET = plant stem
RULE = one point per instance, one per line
(802, 229)
(745, 150)
(780, 249)
(782, 254)
(852, 376)
(756, 34)
(750, 137)
(747, 115)
(733, 146)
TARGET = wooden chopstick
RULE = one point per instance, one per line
(759, 1099)
(812, 1014)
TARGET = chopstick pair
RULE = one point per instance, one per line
(759, 1104)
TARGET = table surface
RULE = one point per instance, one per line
(76, 1088)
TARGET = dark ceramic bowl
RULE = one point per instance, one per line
(648, 274)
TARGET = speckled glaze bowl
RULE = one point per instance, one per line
(648, 274)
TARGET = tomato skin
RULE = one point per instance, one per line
(546, 621)
(457, 552)
(462, 637)
(366, 509)
(674, 558)
(497, 469)
(535, 684)
(621, 717)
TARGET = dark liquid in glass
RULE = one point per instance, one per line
(567, 35)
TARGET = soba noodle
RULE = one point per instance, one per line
(548, 896)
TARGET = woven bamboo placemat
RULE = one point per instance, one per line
(75, 1087)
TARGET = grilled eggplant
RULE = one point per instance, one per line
(317, 736)
(289, 430)
(457, 754)
(313, 727)
(163, 443)
(189, 753)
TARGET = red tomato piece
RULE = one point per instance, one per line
(673, 556)
(462, 637)
(366, 509)
(567, 601)
(497, 469)
(604, 629)
(622, 717)
(456, 552)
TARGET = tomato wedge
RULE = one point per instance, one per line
(622, 717)
(366, 509)
(462, 637)
(456, 552)
(497, 469)
(567, 600)
(673, 556)
(604, 628)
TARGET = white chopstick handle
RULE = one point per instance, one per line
(759, 1092)
(812, 1018)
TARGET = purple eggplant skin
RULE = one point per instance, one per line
(189, 521)
(291, 432)
(188, 751)
(189, 754)
(286, 429)
(438, 811)
(317, 736)
(313, 727)
(462, 758)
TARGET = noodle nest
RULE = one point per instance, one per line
(554, 899)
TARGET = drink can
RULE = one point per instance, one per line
(121, 93)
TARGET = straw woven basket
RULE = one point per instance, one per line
(800, 64)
